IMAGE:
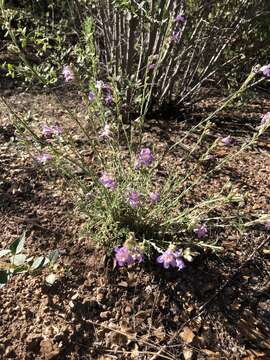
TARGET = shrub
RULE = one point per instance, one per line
(129, 207)
(155, 52)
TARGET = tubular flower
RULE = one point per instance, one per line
(134, 199)
(122, 256)
(43, 158)
(107, 181)
(201, 231)
(172, 259)
(180, 18)
(227, 140)
(145, 158)
(154, 197)
(265, 70)
(91, 96)
(176, 36)
(128, 256)
(68, 73)
(49, 131)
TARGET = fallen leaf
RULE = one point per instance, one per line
(187, 335)
(187, 353)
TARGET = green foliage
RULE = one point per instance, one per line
(41, 38)
(52, 33)
(15, 262)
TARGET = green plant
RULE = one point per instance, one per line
(152, 57)
(14, 261)
(120, 191)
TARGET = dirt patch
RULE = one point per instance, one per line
(217, 308)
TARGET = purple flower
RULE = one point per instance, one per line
(267, 224)
(171, 259)
(107, 181)
(43, 158)
(145, 158)
(91, 96)
(210, 157)
(265, 70)
(68, 73)
(106, 132)
(100, 85)
(154, 197)
(201, 231)
(137, 255)
(227, 140)
(108, 100)
(151, 66)
(180, 18)
(134, 199)
(176, 36)
(265, 118)
(127, 256)
(167, 259)
(123, 257)
(180, 263)
(49, 131)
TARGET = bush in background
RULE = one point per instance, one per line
(158, 51)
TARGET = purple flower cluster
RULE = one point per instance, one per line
(130, 255)
(91, 96)
(145, 158)
(265, 70)
(106, 90)
(68, 73)
(201, 231)
(43, 158)
(180, 18)
(134, 199)
(107, 181)
(176, 34)
(49, 131)
(172, 259)
(126, 256)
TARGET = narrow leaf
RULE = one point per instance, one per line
(17, 245)
(37, 263)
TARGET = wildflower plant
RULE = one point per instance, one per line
(130, 209)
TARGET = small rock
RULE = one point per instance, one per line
(104, 314)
